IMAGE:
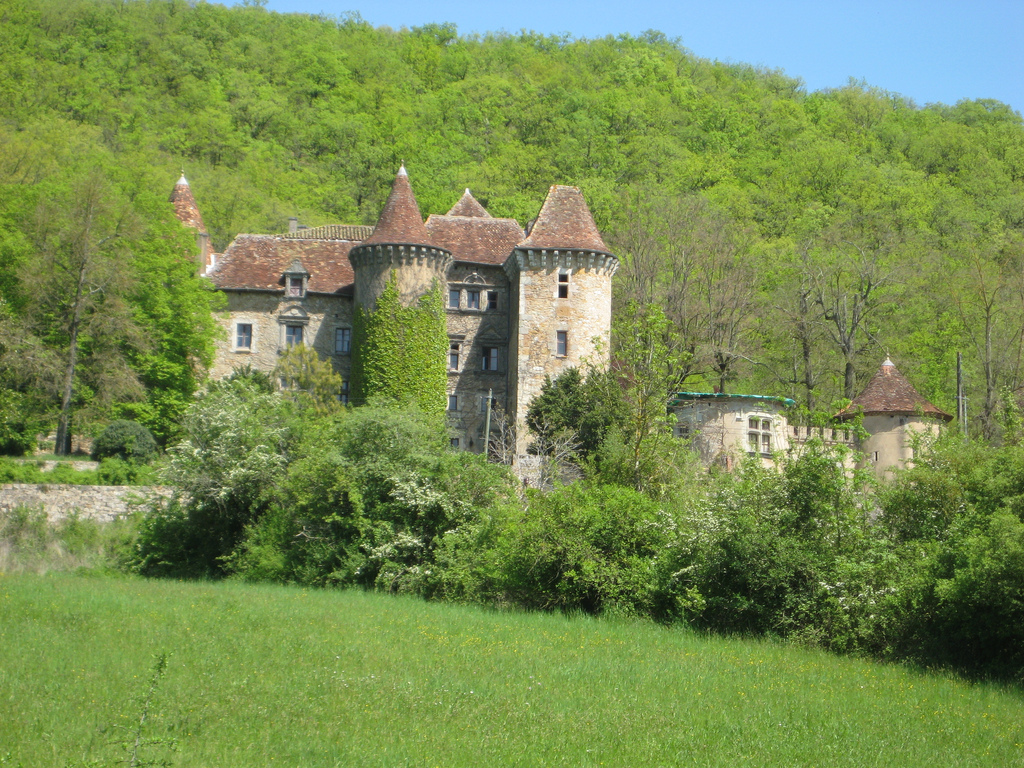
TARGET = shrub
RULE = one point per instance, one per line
(18, 429)
(114, 471)
(227, 466)
(963, 606)
(126, 440)
(370, 495)
(579, 548)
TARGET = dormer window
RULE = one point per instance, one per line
(296, 280)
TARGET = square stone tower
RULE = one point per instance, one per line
(560, 280)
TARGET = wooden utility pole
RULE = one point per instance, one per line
(487, 427)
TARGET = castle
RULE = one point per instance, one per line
(521, 305)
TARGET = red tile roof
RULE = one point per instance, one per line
(475, 239)
(400, 221)
(331, 232)
(565, 221)
(889, 391)
(185, 207)
(257, 262)
(469, 206)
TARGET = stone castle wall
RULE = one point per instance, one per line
(268, 312)
(539, 314)
(102, 503)
(472, 329)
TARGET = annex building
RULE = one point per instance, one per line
(893, 416)
(521, 303)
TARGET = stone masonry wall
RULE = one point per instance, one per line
(267, 312)
(416, 269)
(584, 315)
(95, 502)
(473, 329)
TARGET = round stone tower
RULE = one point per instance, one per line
(400, 244)
(894, 415)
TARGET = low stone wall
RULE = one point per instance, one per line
(96, 502)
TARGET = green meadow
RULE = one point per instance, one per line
(265, 675)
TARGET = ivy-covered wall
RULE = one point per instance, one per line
(399, 351)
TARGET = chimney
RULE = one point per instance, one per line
(293, 225)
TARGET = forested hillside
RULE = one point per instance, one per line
(794, 238)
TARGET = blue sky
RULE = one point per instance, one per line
(938, 51)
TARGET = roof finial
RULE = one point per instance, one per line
(402, 171)
(888, 361)
(183, 180)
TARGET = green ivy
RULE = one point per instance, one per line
(399, 352)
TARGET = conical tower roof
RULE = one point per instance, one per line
(400, 222)
(185, 207)
(469, 206)
(890, 392)
(565, 221)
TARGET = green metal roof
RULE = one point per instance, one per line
(785, 401)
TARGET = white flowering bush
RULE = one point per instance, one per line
(226, 470)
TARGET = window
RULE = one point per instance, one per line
(342, 341)
(472, 299)
(292, 335)
(453, 402)
(343, 397)
(759, 433)
(563, 285)
(490, 359)
(295, 286)
(243, 336)
(453, 298)
(455, 442)
(453, 356)
(483, 405)
(682, 430)
(561, 343)
(492, 299)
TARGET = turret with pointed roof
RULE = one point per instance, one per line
(400, 244)
(185, 207)
(895, 418)
(889, 392)
(187, 211)
(565, 222)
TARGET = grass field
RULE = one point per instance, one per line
(267, 676)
